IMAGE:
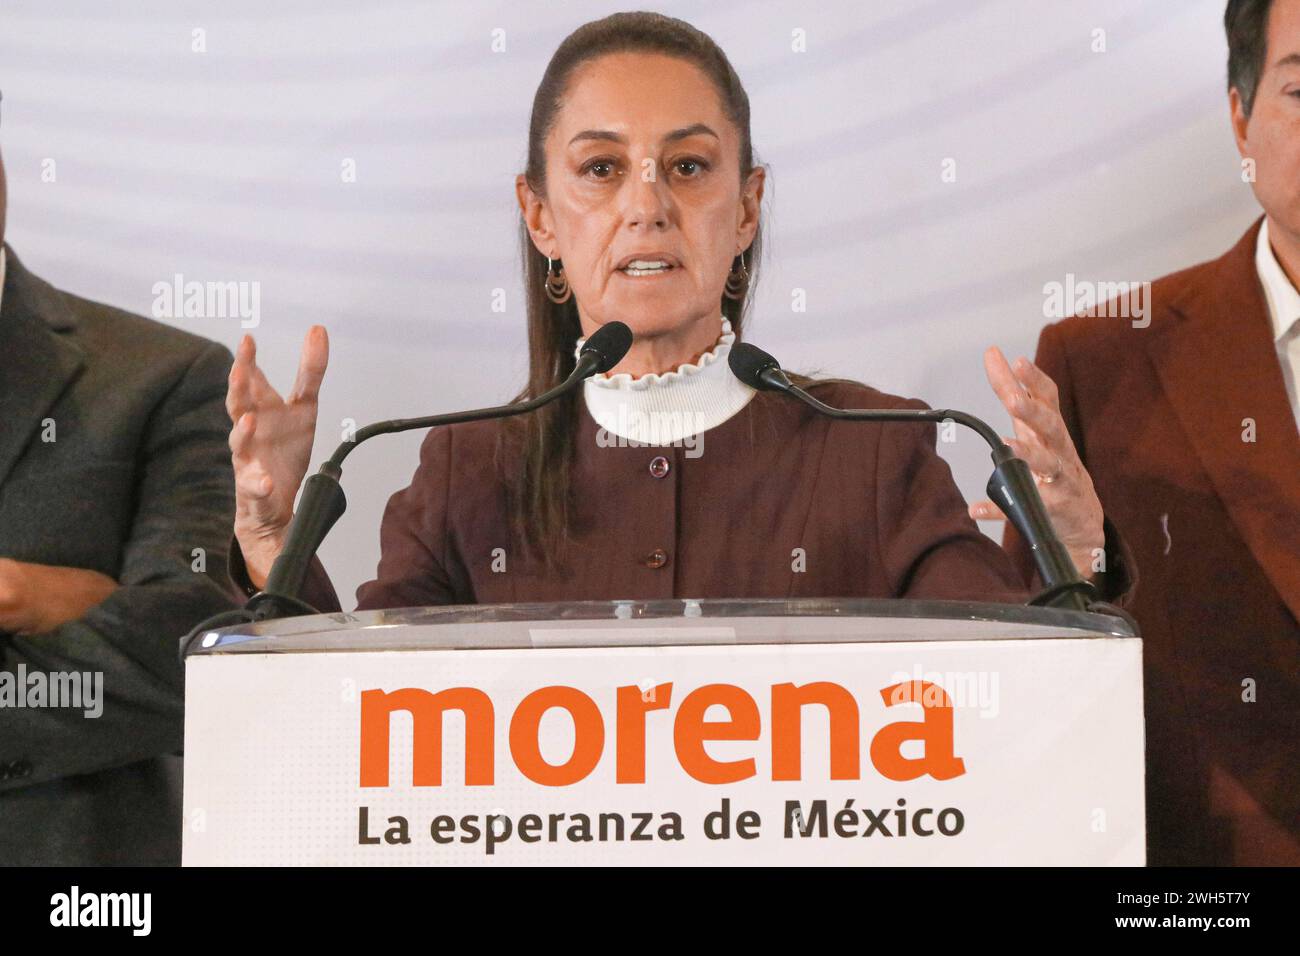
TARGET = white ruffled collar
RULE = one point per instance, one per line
(669, 407)
(624, 380)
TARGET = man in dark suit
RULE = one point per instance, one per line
(1187, 421)
(116, 503)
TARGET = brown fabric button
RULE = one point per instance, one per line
(656, 558)
(659, 467)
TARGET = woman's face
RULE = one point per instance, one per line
(642, 163)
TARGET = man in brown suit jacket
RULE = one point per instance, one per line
(1186, 419)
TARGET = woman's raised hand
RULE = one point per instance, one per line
(270, 447)
(1043, 441)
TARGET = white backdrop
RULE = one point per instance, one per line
(132, 158)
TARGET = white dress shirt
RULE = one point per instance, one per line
(1284, 311)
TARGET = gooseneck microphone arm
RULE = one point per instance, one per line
(1011, 485)
(322, 502)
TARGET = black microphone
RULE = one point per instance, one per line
(323, 502)
(1011, 485)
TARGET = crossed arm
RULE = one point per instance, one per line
(42, 597)
(55, 619)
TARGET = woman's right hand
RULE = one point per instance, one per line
(270, 447)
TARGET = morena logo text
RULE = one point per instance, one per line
(635, 710)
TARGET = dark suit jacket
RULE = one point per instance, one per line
(137, 478)
(781, 503)
(1158, 415)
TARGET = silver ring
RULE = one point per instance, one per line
(1048, 479)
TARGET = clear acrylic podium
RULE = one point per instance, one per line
(675, 732)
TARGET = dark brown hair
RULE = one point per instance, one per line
(1246, 23)
(540, 445)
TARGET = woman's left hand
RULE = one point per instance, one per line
(1044, 442)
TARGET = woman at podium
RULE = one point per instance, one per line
(668, 476)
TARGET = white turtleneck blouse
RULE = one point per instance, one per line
(662, 409)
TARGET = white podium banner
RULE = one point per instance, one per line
(909, 753)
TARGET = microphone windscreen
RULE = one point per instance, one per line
(748, 362)
(611, 342)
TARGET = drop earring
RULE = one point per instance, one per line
(737, 282)
(557, 283)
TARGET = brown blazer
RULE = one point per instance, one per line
(1158, 415)
(779, 502)
(776, 502)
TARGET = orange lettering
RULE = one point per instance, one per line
(787, 729)
(690, 730)
(426, 710)
(934, 731)
(633, 705)
(588, 736)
